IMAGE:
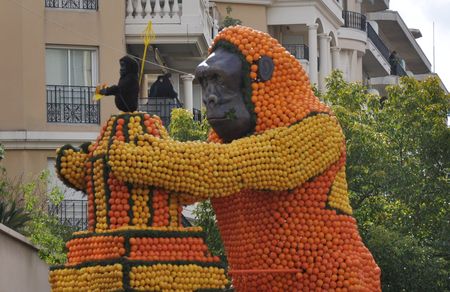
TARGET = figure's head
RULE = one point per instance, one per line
(220, 76)
(252, 84)
(128, 65)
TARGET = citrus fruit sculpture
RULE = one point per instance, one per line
(135, 240)
(280, 191)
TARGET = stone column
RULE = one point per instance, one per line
(324, 54)
(312, 39)
(188, 91)
(335, 58)
(353, 65)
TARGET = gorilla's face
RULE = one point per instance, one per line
(220, 76)
(123, 68)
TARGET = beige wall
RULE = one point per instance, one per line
(20, 267)
(23, 78)
(24, 33)
(250, 15)
(26, 164)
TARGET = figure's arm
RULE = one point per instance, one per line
(112, 90)
(70, 166)
(279, 159)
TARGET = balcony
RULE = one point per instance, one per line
(163, 106)
(354, 20)
(72, 4)
(72, 105)
(376, 40)
(399, 37)
(71, 213)
(298, 51)
(160, 106)
(184, 30)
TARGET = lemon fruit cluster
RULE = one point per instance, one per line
(93, 278)
(277, 159)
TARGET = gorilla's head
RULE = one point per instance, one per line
(252, 84)
(128, 65)
(221, 78)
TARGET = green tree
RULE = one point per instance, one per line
(45, 230)
(24, 208)
(398, 162)
(229, 20)
(184, 128)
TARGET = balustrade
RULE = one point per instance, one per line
(159, 11)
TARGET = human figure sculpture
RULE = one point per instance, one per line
(274, 169)
(162, 87)
(127, 89)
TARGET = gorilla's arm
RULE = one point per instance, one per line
(71, 165)
(278, 159)
(112, 90)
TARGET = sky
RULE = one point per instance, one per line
(420, 14)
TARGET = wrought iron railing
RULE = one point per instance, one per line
(376, 40)
(71, 213)
(74, 213)
(354, 20)
(397, 69)
(298, 51)
(72, 4)
(160, 106)
(72, 104)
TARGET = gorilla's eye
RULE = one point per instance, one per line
(201, 80)
(217, 79)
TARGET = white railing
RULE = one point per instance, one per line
(158, 11)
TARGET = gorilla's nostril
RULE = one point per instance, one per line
(211, 99)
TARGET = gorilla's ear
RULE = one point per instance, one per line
(265, 68)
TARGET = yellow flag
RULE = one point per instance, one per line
(149, 35)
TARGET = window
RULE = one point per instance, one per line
(71, 76)
(74, 67)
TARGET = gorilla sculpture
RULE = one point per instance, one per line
(274, 169)
(127, 90)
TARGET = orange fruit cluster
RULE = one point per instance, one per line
(118, 203)
(170, 249)
(284, 99)
(95, 248)
(294, 231)
(161, 208)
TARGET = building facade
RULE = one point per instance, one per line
(357, 37)
(59, 50)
